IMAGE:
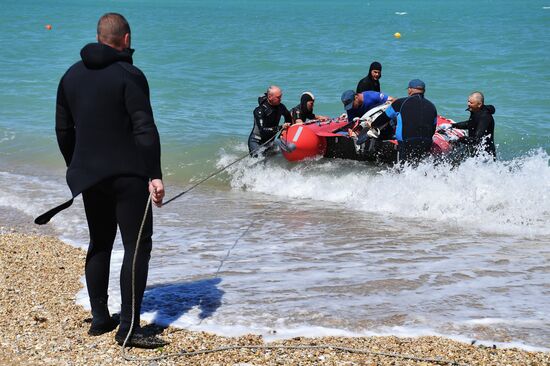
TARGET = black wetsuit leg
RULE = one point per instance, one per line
(119, 200)
(413, 151)
(253, 145)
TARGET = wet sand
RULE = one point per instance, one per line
(41, 324)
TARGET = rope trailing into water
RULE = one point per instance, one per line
(184, 353)
(222, 169)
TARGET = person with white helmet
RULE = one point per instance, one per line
(304, 111)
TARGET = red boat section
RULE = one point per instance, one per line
(309, 139)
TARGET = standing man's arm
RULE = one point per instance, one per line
(145, 131)
(64, 126)
(288, 117)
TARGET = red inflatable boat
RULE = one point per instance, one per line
(330, 139)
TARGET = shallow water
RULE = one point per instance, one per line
(321, 247)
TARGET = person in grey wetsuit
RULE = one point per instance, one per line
(266, 119)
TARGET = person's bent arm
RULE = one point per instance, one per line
(64, 126)
(145, 131)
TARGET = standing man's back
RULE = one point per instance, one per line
(416, 119)
(107, 135)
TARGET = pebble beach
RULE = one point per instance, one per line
(41, 324)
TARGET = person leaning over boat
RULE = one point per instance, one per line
(372, 80)
(416, 118)
(304, 111)
(266, 119)
(480, 126)
(357, 104)
(108, 138)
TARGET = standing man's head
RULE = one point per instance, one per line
(416, 86)
(113, 30)
(375, 70)
(475, 101)
(274, 95)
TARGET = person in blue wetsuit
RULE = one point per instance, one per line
(357, 104)
(266, 119)
(415, 121)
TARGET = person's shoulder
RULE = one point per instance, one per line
(74, 67)
(130, 68)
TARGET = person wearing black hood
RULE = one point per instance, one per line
(266, 119)
(480, 126)
(371, 81)
(304, 111)
(108, 138)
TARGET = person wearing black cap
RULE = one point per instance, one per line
(107, 135)
(372, 80)
(266, 119)
(480, 126)
(304, 111)
(416, 119)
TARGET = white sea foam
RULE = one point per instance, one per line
(400, 13)
(282, 252)
(493, 197)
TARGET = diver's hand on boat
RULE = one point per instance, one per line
(443, 127)
(286, 125)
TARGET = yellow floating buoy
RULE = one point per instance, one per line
(397, 35)
(48, 26)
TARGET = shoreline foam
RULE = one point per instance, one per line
(42, 324)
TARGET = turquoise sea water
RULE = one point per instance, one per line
(207, 62)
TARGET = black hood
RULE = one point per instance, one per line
(489, 108)
(99, 55)
(374, 66)
(306, 97)
(262, 99)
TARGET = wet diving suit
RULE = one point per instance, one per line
(300, 111)
(416, 119)
(107, 135)
(266, 123)
(368, 83)
(481, 130)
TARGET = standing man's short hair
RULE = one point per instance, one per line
(111, 29)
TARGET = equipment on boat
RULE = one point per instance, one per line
(331, 139)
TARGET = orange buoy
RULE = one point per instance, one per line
(48, 26)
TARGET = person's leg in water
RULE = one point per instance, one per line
(100, 213)
(131, 199)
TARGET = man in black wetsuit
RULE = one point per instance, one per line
(372, 80)
(107, 135)
(266, 119)
(480, 126)
(415, 118)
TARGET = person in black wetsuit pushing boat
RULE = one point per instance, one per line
(415, 118)
(266, 119)
(480, 126)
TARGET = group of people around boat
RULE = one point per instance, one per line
(411, 120)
